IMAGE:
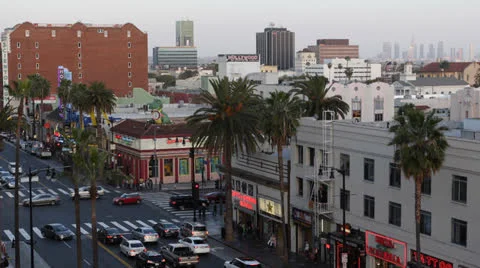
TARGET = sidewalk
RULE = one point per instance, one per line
(187, 186)
(258, 250)
(39, 262)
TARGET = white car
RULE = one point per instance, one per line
(12, 166)
(145, 234)
(131, 248)
(84, 192)
(243, 262)
(196, 244)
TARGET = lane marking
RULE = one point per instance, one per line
(119, 226)
(152, 222)
(87, 262)
(62, 191)
(83, 231)
(24, 234)
(9, 194)
(71, 190)
(142, 223)
(33, 193)
(102, 224)
(117, 191)
(52, 191)
(9, 235)
(38, 232)
(89, 225)
(21, 194)
(162, 220)
(67, 244)
(130, 224)
(175, 220)
(106, 191)
(41, 191)
(114, 255)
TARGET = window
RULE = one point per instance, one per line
(99, 30)
(129, 74)
(250, 190)
(129, 83)
(129, 55)
(183, 167)
(368, 169)
(345, 204)
(37, 45)
(129, 34)
(345, 163)
(79, 65)
(395, 175)
(79, 34)
(459, 232)
(79, 44)
(425, 222)
(238, 186)
(37, 66)
(54, 33)
(19, 66)
(168, 167)
(459, 189)
(199, 165)
(299, 186)
(395, 214)
(18, 44)
(378, 117)
(369, 206)
(378, 103)
(244, 187)
(27, 33)
(79, 55)
(300, 154)
(129, 65)
(37, 56)
(80, 75)
(427, 186)
(19, 56)
(105, 34)
(129, 45)
(214, 164)
(19, 76)
(311, 156)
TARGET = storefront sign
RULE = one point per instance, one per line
(386, 248)
(245, 201)
(430, 261)
(302, 216)
(270, 208)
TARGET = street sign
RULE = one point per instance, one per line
(344, 258)
(25, 179)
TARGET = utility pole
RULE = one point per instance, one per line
(192, 156)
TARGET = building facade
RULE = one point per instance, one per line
(166, 58)
(334, 69)
(184, 33)
(465, 71)
(235, 66)
(89, 51)
(334, 48)
(464, 105)
(304, 59)
(276, 46)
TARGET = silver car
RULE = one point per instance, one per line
(145, 234)
(42, 199)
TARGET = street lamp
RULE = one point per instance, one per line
(192, 156)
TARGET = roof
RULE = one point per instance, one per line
(140, 129)
(437, 81)
(452, 67)
(422, 107)
(404, 83)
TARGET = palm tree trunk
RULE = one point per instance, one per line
(77, 218)
(93, 196)
(100, 140)
(282, 200)
(17, 182)
(418, 207)
(80, 114)
(40, 128)
(228, 218)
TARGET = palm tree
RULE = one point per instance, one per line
(315, 89)
(20, 90)
(230, 124)
(79, 101)
(420, 147)
(40, 89)
(7, 123)
(348, 73)
(329, 65)
(444, 65)
(64, 92)
(282, 117)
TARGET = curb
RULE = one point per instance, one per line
(239, 250)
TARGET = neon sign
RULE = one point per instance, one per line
(245, 201)
(430, 261)
(386, 248)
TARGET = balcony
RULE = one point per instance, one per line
(323, 208)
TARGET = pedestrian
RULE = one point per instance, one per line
(204, 209)
(306, 248)
(214, 209)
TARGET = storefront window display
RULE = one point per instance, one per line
(183, 167)
(168, 167)
(385, 252)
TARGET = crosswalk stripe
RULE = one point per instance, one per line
(9, 235)
(130, 224)
(174, 220)
(1, 196)
(89, 225)
(118, 192)
(41, 191)
(152, 222)
(38, 232)
(142, 223)
(119, 226)
(83, 231)
(162, 220)
(103, 224)
(63, 191)
(106, 191)
(33, 193)
(24, 234)
(21, 194)
(70, 189)
(52, 191)
(9, 194)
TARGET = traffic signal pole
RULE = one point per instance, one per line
(192, 156)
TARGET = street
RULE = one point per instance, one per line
(59, 254)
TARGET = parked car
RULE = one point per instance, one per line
(12, 166)
(133, 198)
(179, 255)
(167, 229)
(83, 192)
(145, 234)
(185, 201)
(8, 182)
(32, 146)
(109, 235)
(43, 153)
(217, 197)
(131, 248)
(189, 229)
(242, 262)
(42, 199)
(196, 244)
(57, 231)
(150, 259)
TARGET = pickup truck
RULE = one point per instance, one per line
(179, 255)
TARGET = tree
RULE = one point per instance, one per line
(444, 65)
(420, 146)
(7, 122)
(40, 89)
(281, 119)
(477, 79)
(64, 92)
(349, 73)
(329, 65)
(230, 124)
(315, 89)
(168, 80)
(20, 91)
(187, 74)
(79, 100)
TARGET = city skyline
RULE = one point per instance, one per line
(238, 34)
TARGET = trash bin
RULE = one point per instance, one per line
(223, 232)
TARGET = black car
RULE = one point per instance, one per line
(57, 231)
(186, 201)
(150, 259)
(109, 235)
(166, 229)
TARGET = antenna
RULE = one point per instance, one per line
(271, 24)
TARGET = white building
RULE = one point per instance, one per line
(304, 59)
(465, 104)
(380, 201)
(334, 69)
(235, 66)
(437, 85)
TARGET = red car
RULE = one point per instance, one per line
(133, 198)
(216, 197)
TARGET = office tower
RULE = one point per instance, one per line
(453, 55)
(184, 33)
(431, 52)
(167, 58)
(440, 52)
(397, 51)
(459, 54)
(387, 50)
(334, 48)
(276, 46)
(471, 52)
(421, 55)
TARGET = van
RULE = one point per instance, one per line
(196, 229)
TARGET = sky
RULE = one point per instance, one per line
(229, 26)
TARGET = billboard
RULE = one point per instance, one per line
(241, 58)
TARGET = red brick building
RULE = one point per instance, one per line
(115, 54)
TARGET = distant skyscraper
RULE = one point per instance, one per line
(421, 55)
(471, 52)
(453, 54)
(184, 33)
(440, 52)
(276, 46)
(387, 50)
(397, 51)
(459, 54)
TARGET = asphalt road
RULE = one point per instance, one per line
(59, 254)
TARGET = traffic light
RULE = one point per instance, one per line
(217, 184)
(119, 160)
(327, 247)
(196, 190)
(151, 167)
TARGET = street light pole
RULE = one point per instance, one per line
(32, 253)
(192, 156)
(157, 179)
